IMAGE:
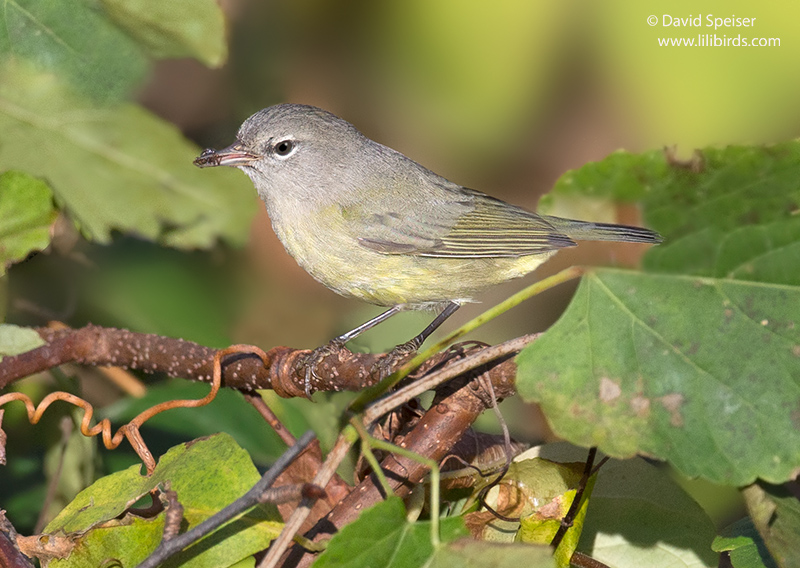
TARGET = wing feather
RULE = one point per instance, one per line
(471, 225)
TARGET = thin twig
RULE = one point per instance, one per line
(506, 448)
(257, 401)
(569, 518)
(3, 439)
(433, 380)
(346, 439)
(583, 561)
(303, 468)
(173, 516)
(324, 475)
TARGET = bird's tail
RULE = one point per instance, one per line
(587, 231)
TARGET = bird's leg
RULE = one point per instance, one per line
(387, 363)
(384, 366)
(416, 342)
(336, 344)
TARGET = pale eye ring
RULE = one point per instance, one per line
(284, 148)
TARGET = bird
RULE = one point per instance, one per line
(372, 224)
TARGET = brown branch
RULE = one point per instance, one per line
(131, 429)
(302, 469)
(283, 371)
(456, 406)
(10, 554)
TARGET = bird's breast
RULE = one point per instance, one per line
(325, 244)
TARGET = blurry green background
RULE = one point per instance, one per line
(503, 97)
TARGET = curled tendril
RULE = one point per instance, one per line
(131, 429)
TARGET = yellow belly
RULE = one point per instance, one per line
(346, 267)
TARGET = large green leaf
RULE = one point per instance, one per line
(178, 28)
(26, 215)
(702, 372)
(620, 176)
(737, 217)
(207, 475)
(74, 40)
(382, 536)
(118, 168)
(701, 365)
(733, 213)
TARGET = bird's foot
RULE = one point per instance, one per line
(316, 357)
(394, 358)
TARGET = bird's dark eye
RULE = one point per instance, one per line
(284, 147)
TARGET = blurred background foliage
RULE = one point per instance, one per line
(96, 97)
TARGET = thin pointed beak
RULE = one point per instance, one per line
(233, 155)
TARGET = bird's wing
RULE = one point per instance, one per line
(458, 224)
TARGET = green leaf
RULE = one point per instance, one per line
(641, 363)
(118, 168)
(736, 218)
(621, 176)
(26, 215)
(766, 253)
(637, 515)
(775, 511)
(15, 340)
(207, 475)
(734, 215)
(75, 41)
(744, 546)
(178, 28)
(382, 536)
(468, 553)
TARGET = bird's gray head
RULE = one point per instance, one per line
(299, 150)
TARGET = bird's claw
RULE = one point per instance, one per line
(383, 368)
(393, 358)
(315, 358)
